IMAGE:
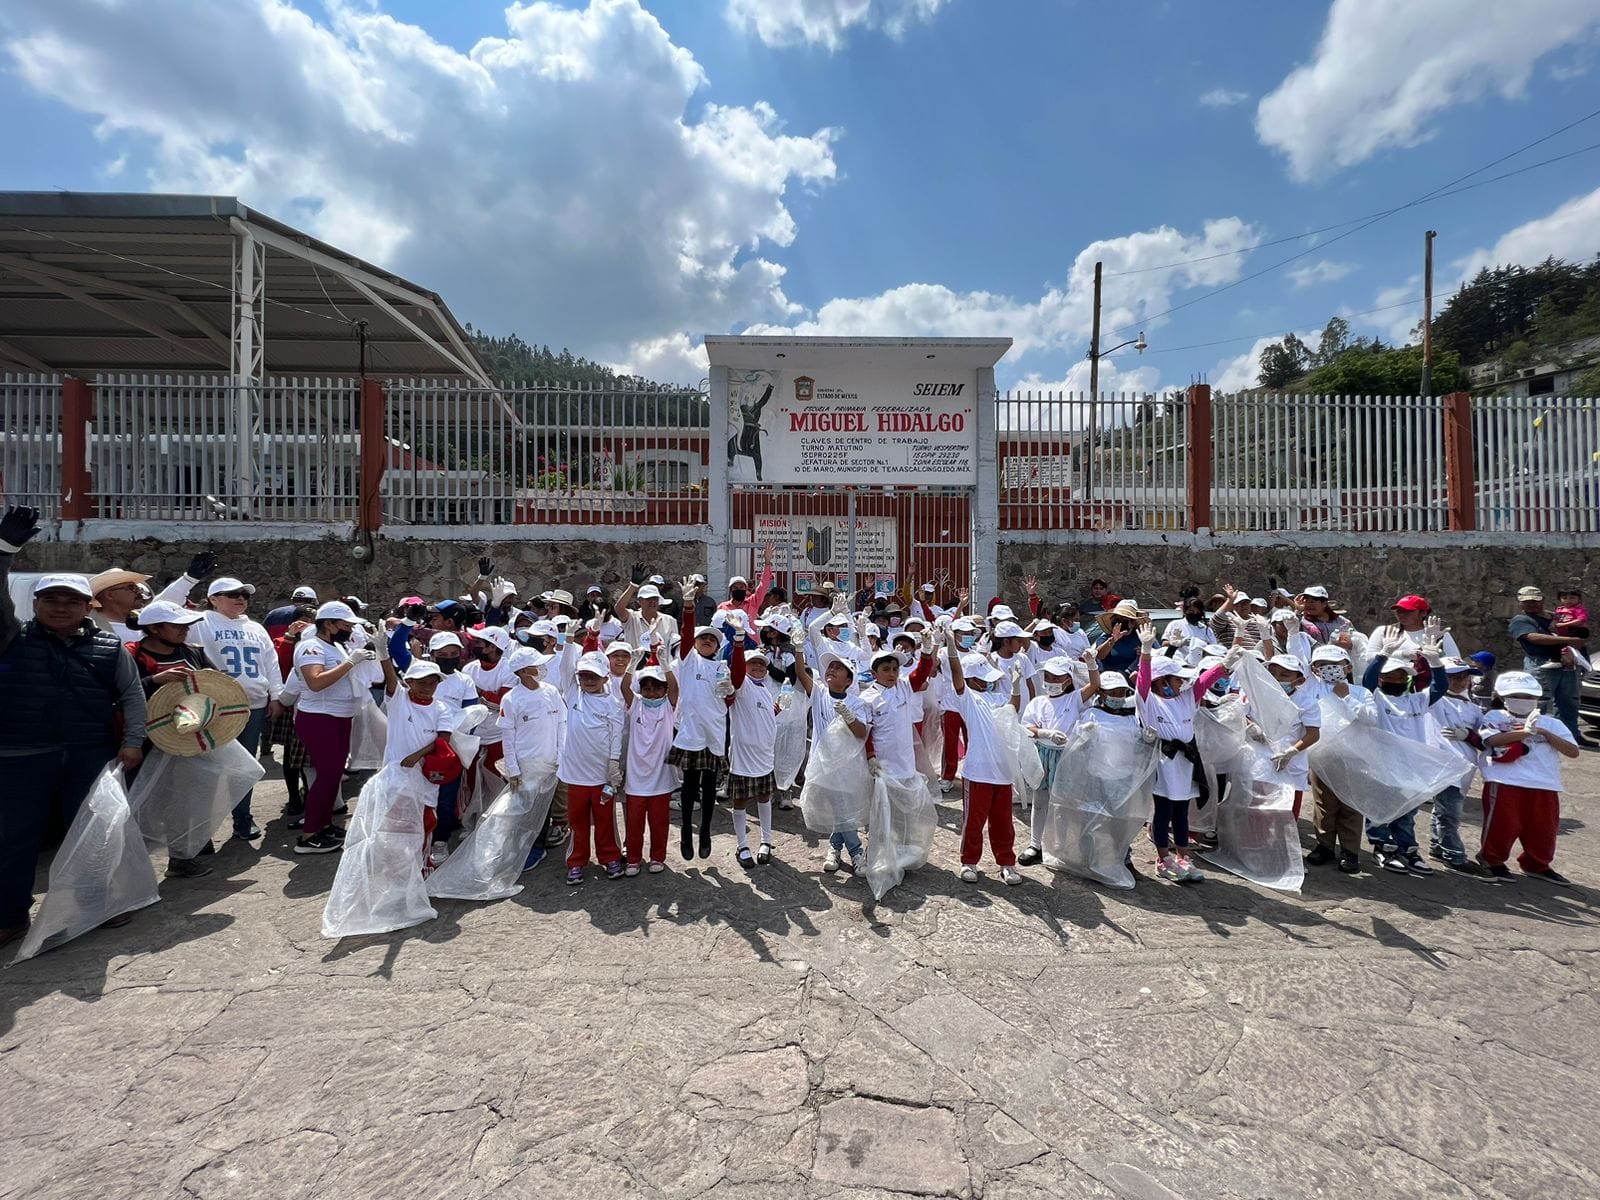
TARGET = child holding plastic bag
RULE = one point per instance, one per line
(752, 741)
(904, 816)
(1458, 717)
(989, 769)
(651, 700)
(1522, 780)
(1334, 822)
(1168, 692)
(1401, 709)
(418, 723)
(1049, 718)
(835, 705)
(533, 722)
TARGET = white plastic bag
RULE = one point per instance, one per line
(838, 785)
(179, 803)
(903, 820)
(1219, 737)
(789, 748)
(930, 746)
(1270, 708)
(1378, 773)
(486, 864)
(1027, 771)
(1099, 801)
(101, 870)
(378, 887)
(368, 736)
(1257, 836)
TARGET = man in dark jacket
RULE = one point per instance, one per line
(64, 683)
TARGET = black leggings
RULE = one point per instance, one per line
(1170, 825)
(701, 785)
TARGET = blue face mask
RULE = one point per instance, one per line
(847, 634)
(1222, 686)
(1289, 688)
(656, 702)
(966, 641)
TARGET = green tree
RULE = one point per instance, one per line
(1379, 371)
(1335, 341)
(1283, 362)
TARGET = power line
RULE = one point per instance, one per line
(1276, 332)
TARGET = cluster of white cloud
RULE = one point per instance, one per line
(1322, 271)
(1221, 97)
(1383, 71)
(1571, 232)
(827, 23)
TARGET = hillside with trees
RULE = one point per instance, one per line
(515, 363)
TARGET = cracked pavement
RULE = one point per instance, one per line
(715, 1032)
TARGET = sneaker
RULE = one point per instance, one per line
(1010, 876)
(558, 835)
(1497, 872)
(297, 822)
(614, 870)
(1464, 867)
(1349, 862)
(574, 875)
(335, 831)
(1416, 864)
(858, 861)
(631, 870)
(831, 863)
(1030, 856)
(248, 835)
(969, 874)
(655, 868)
(438, 852)
(1390, 859)
(1320, 856)
(320, 843)
(1168, 868)
(1190, 873)
(209, 848)
(1550, 875)
(764, 854)
(946, 786)
(535, 857)
(1203, 841)
(187, 868)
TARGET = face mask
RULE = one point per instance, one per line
(1047, 641)
(1054, 689)
(524, 637)
(1117, 703)
(1521, 706)
(341, 636)
(904, 656)
(1331, 673)
(652, 702)
(1222, 686)
(966, 641)
(1289, 688)
(1069, 626)
(448, 665)
(1395, 689)
(737, 594)
(846, 634)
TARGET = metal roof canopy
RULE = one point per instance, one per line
(104, 283)
(756, 353)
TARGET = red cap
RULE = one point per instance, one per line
(1412, 604)
(441, 764)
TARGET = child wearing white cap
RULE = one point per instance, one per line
(651, 700)
(987, 771)
(705, 690)
(1333, 821)
(1050, 718)
(752, 740)
(1522, 780)
(417, 720)
(533, 723)
(591, 767)
(1458, 717)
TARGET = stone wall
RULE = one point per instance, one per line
(432, 567)
(1472, 584)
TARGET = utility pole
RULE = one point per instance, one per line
(1427, 312)
(1094, 391)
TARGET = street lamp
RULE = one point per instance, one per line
(1095, 355)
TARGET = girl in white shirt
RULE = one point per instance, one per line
(533, 725)
(243, 650)
(752, 738)
(1049, 718)
(416, 722)
(591, 767)
(651, 699)
(704, 689)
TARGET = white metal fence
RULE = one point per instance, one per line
(1537, 463)
(30, 441)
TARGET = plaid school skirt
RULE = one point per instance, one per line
(696, 760)
(745, 787)
(295, 757)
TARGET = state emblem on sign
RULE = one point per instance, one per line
(805, 388)
(819, 545)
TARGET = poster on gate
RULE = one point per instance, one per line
(805, 583)
(821, 545)
(853, 426)
(883, 585)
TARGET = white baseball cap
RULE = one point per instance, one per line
(524, 657)
(1001, 612)
(77, 584)
(1333, 654)
(976, 666)
(421, 668)
(1059, 665)
(440, 641)
(593, 664)
(927, 587)
(658, 674)
(1517, 683)
(1114, 681)
(164, 612)
(619, 648)
(1161, 668)
(738, 579)
(649, 592)
(304, 593)
(1009, 629)
(1316, 591)
(1286, 662)
(229, 584)
(336, 610)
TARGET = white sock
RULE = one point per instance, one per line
(764, 811)
(739, 817)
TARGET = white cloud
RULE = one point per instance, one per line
(1571, 232)
(826, 23)
(557, 181)
(1144, 272)
(1322, 271)
(1223, 98)
(1243, 370)
(674, 358)
(1383, 71)
(1061, 405)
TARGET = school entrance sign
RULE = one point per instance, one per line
(876, 454)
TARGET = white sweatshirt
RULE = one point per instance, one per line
(242, 650)
(594, 739)
(533, 726)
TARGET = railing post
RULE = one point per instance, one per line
(1201, 449)
(1461, 507)
(374, 456)
(77, 418)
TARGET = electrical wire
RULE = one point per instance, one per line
(1252, 337)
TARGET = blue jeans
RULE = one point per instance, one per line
(250, 739)
(1560, 692)
(847, 839)
(1400, 833)
(29, 785)
(1445, 834)
(448, 794)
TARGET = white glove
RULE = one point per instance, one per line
(1231, 659)
(840, 602)
(380, 646)
(614, 775)
(874, 767)
(841, 709)
(1147, 635)
(1253, 732)
(797, 636)
(1531, 724)
(1149, 736)
(364, 656)
(1433, 655)
(1058, 736)
(736, 619)
(1174, 636)
(1282, 759)
(1454, 733)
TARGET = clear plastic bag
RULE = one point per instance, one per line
(368, 736)
(1099, 802)
(179, 803)
(1378, 773)
(1027, 771)
(902, 822)
(838, 785)
(101, 870)
(1257, 836)
(379, 886)
(929, 747)
(1277, 716)
(789, 747)
(486, 864)
(1219, 737)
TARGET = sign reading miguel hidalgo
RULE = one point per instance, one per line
(861, 425)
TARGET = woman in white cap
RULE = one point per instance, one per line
(325, 716)
(651, 699)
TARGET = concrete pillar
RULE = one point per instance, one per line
(719, 499)
(1461, 499)
(986, 496)
(1197, 468)
(77, 420)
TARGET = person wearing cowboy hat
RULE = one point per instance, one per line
(1119, 649)
(64, 683)
(118, 594)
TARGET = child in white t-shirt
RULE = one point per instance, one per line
(1049, 718)
(533, 724)
(988, 770)
(651, 700)
(1522, 780)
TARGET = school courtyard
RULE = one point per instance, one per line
(712, 1032)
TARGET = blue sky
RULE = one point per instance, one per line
(621, 176)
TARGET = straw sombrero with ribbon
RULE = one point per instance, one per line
(198, 714)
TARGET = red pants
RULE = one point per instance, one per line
(1510, 813)
(657, 809)
(583, 804)
(955, 736)
(987, 804)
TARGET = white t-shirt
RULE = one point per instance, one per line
(754, 729)
(414, 727)
(649, 739)
(338, 700)
(498, 678)
(1454, 712)
(1410, 643)
(636, 631)
(594, 739)
(1059, 713)
(1539, 768)
(702, 715)
(892, 717)
(822, 702)
(533, 724)
(988, 760)
(243, 651)
(1017, 664)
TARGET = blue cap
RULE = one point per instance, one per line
(444, 604)
(1483, 658)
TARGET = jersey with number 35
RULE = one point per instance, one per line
(243, 650)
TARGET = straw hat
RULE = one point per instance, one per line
(1124, 608)
(200, 713)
